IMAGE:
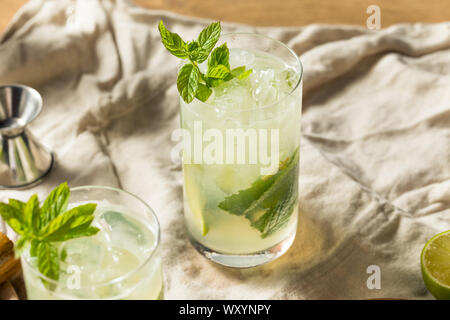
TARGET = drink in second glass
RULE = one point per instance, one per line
(241, 155)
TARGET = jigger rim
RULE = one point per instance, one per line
(33, 92)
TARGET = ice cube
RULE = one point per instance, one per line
(118, 261)
(287, 79)
(124, 232)
(235, 94)
(86, 254)
(240, 57)
(264, 84)
(84, 251)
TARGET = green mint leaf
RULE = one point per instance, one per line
(187, 82)
(211, 82)
(173, 42)
(203, 92)
(241, 72)
(220, 55)
(196, 52)
(191, 83)
(276, 217)
(199, 55)
(33, 248)
(62, 224)
(55, 204)
(19, 205)
(20, 245)
(237, 71)
(192, 46)
(209, 36)
(31, 213)
(239, 202)
(47, 260)
(63, 254)
(14, 218)
(274, 196)
(39, 227)
(79, 232)
(83, 229)
(245, 74)
(218, 72)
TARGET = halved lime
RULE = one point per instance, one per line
(435, 261)
(194, 198)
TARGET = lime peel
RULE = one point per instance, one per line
(435, 264)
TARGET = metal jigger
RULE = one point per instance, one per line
(23, 160)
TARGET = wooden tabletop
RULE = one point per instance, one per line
(303, 12)
(287, 12)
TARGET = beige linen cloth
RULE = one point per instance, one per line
(375, 153)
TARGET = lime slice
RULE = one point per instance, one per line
(435, 261)
(196, 203)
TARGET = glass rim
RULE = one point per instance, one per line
(125, 275)
(265, 106)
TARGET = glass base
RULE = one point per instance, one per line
(245, 260)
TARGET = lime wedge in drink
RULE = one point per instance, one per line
(435, 261)
(227, 179)
(194, 196)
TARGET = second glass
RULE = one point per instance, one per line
(122, 261)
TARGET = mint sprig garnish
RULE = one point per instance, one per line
(269, 202)
(191, 82)
(40, 227)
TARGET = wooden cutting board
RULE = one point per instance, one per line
(11, 281)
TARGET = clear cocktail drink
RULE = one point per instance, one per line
(241, 154)
(121, 261)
